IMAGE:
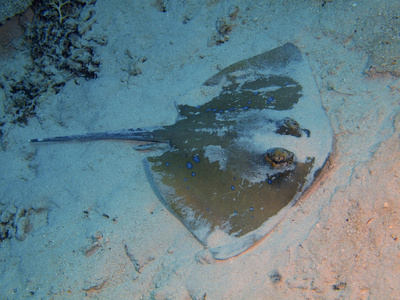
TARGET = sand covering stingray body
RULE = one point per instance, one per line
(218, 175)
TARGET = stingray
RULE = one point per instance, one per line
(232, 166)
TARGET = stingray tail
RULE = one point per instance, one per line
(155, 134)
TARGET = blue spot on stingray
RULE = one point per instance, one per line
(246, 107)
(234, 178)
(234, 212)
(198, 106)
(255, 93)
(221, 111)
(270, 100)
(185, 179)
(193, 174)
(214, 110)
(249, 102)
(208, 109)
(189, 165)
(232, 187)
(196, 159)
(269, 181)
(232, 108)
(167, 164)
(251, 208)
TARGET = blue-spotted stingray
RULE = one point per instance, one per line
(233, 165)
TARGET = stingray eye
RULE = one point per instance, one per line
(279, 157)
(288, 126)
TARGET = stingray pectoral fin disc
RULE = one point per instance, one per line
(231, 175)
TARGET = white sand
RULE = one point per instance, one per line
(342, 241)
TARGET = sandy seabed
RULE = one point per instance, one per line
(87, 222)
